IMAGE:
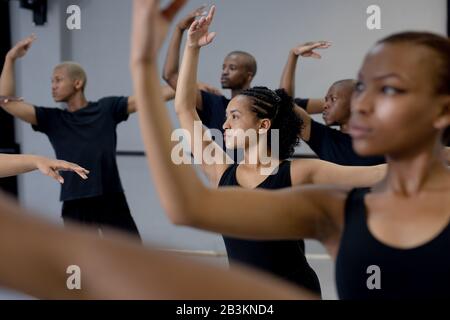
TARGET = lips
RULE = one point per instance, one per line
(359, 131)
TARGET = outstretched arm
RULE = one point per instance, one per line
(14, 164)
(16, 108)
(39, 254)
(313, 171)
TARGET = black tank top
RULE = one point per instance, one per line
(285, 259)
(369, 269)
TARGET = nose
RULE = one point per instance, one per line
(362, 102)
(226, 125)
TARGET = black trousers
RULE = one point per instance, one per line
(109, 210)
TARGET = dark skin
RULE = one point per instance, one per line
(235, 71)
(406, 208)
(336, 109)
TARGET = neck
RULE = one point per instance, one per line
(416, 171)
(76, 102)
(259, 156)
(344, 127)
(235, 92)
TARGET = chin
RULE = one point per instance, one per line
(364, 148)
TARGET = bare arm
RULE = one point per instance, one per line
(167, 92)
(323, 172)
(114, 268)
(305, 50)
(19, 109)
(185, 103)
(14, 164)
(305, 130)
(258, 214)
(315, 106)
(172, 63)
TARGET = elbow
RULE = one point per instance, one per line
(186, 213)
(170, 79)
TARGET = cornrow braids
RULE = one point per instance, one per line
(266, 102)
(277, 106)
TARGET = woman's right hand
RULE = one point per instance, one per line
(198, 34)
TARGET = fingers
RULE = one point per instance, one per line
(172, 9)
(210, 37)
(211, 13)
(199, 11)
(68, 166)
(55, 175)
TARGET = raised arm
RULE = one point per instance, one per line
(19, 109)
(14, 164)
(185, 101)
(287, 81)
(315, 171)
(260, 214)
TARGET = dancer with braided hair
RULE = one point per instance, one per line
(261, 111)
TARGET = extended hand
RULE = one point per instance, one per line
(51, 168)
(21, 48)
(186, 22)
(198, 34)
(307, 49)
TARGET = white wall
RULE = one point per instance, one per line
(265, 28)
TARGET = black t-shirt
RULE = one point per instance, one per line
(335, 146)
(213, 110)
(302, 103)
(86, 137)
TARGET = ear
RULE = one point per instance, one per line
(443, 119)
(264, 125)
(78, 84)
(250, 76)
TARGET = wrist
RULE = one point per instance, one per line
(9, 58)
(180, 28)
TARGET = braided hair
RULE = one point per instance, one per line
(278, 107)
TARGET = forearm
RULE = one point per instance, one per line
(288, 77)
(305, 130)
(11, 165)
(7, 80)
(171, 65)
(186, 94)
(38, 256)
(156, 130)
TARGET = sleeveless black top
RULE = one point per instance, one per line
(285, 259)
(369, 269)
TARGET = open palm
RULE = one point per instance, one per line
(199, 35)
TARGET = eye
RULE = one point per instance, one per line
(333, 99)
(234, 117)
(389, 90)
(359, 87)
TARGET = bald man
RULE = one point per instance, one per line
(84, 133)
(238, 70)
(328, 143)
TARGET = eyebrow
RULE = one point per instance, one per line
(386, 76)
(232, 111)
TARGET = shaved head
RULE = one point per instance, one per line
(248, 60)
(347, 85)
(75, 71)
